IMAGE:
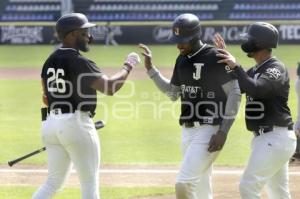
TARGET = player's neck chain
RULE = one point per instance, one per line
(192, 55)
(63, 48)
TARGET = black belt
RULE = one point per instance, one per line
(191, 124)
(58, 111)
(269, 129)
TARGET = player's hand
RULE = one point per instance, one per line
(147, 55)
(227, 58)
(219, 41)
(217, 141)
(132, 60)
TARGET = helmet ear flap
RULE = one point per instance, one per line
(250, 46)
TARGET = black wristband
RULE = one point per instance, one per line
(127, 68)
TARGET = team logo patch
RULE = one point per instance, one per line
(273, 73)
(228, 69)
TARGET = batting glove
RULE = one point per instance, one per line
(132, 60)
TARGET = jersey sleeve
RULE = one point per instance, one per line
(223, 72)
(273, 77)
(265, 85)
(86, 71)
(298, 69)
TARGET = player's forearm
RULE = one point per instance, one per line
(115, 82)
(172, 91)
(110, 85)
(232, 105)
(255, 88)
(44, 96)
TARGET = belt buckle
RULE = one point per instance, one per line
(56, 111)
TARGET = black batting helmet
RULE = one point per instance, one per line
(71, 22)
(260, 35)
(185, 28)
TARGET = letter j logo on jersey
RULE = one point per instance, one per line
(197, 73)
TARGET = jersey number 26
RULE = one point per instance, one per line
(55, 82)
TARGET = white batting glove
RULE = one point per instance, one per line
(132, 59)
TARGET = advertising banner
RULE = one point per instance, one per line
(129, 34)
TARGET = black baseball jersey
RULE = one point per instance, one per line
(267, 90)
(67, 77)
(298, 69)
(200, 78)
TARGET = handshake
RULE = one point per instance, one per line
(133, 58)
(131, 61)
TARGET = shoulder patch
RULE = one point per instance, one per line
(228, 69)
(273, 73)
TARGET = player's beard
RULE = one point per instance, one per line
(82, 45)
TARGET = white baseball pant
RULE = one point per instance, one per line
(71, 138)
(194, 177)
(268, 165)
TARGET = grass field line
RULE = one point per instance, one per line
(138, 171)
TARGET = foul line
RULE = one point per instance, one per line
(137, 171)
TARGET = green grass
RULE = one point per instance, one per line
(33, 56)
(140, 134)
(143, 136)
(14, 192)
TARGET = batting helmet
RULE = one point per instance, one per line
(71, 22)
(186, 27)
(260, 35)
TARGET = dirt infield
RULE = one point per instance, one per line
(225, 179)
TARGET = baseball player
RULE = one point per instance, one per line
(296, 155)
(268, 116)
(70, 82)
(209, 102)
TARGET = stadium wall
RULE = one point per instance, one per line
(134, 34)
